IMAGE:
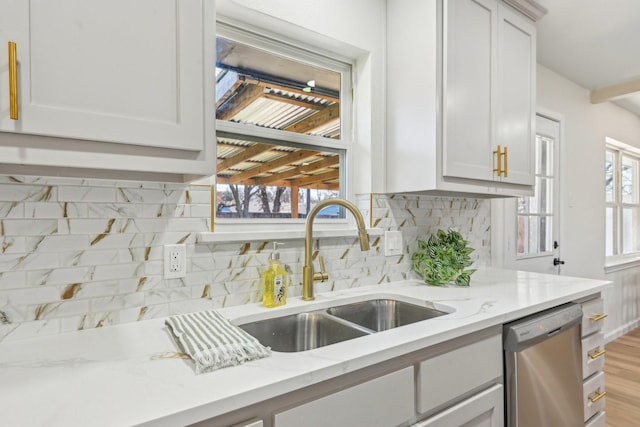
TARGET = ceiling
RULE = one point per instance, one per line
(596, 44)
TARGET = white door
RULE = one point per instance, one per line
(106, 70)
(532, 224)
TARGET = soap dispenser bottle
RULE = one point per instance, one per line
(274, 281)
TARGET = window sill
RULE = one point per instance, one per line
(249, 236)
(617, 264)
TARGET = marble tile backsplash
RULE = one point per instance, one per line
(79, 254)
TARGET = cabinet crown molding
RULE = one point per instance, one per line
(530, 8)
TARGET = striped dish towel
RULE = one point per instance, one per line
(213, 342)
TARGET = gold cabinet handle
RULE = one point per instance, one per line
(498, 153)
(13, 81)
(505, 172)
(599, 395)
(597, 317)
(597, 353)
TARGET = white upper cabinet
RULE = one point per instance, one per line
(517, 94)
(135, 75)
(461, 98)
(469, 106)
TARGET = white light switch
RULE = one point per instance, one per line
(392, 243)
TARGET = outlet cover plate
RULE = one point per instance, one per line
(392, 243)
(175, 261)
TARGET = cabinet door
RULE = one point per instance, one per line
(482, 410)
(383, 401)
(474, 365)
(107, 70)
(470, 55)
(516, 97)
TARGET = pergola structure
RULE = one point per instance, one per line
(271, 101)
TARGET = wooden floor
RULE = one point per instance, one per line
(622, 370)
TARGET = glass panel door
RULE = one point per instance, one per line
(532, 223)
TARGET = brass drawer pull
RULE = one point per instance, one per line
(597, 353)
(599, 395)
(13, 81)
(597, 317)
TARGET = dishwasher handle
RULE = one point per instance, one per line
(531, 330)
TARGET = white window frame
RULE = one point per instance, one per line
(620, 150)
(230, 229)
(551, 211)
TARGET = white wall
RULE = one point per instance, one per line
(585, 127)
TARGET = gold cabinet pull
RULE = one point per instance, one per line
(498, 153)
(13, 81)
(597, 353)
(597, 317)
(599, 395)
(505, 172)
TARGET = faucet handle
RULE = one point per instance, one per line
(322, 275)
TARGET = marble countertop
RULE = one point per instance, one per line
(133, 374)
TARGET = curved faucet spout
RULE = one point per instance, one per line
(308, 275)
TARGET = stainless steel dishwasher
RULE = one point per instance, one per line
(543, 369)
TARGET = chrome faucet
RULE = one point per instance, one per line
(308, 275)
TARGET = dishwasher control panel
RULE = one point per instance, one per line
(524, 333)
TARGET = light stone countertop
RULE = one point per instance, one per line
(132, 374)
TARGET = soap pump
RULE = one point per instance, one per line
(274, 281)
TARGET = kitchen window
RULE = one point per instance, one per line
(282, 127)
(622, 168)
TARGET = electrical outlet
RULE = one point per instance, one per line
(392, 243)
(175, 261)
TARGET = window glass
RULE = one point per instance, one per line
(544, 156)
(630, 227)
(281, 145)
(535, 213)
(609, 227)
(622, 215)
(629, 178)
(261, 88)
(609, 177)
(257, 179)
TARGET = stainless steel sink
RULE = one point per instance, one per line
(383, 314)
(318, 328)
(304, 331)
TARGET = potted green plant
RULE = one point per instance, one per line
(443, 258)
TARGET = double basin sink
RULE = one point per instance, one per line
(318, 328)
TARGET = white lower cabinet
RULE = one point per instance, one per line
(384, 401)
(593, 394)
(485, 409)
(593, 316)
(452, 384)
(593, 354)
(599, 420)
(447, 376)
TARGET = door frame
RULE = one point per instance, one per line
(499, 243)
